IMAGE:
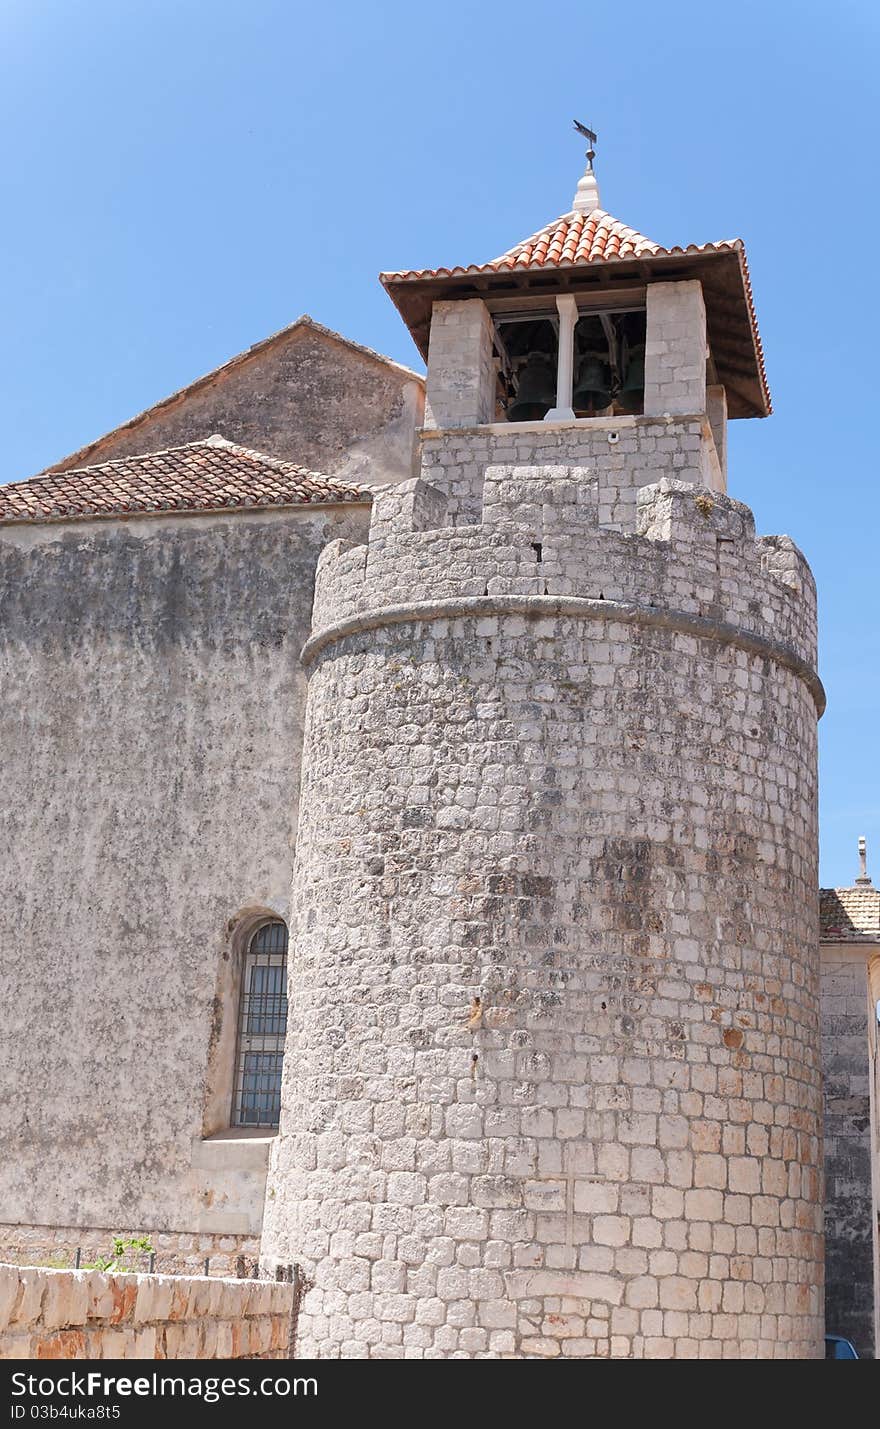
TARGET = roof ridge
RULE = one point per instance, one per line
(279, 463)
(216, 442)
(209, 474)
(52, 475)
(573, 214)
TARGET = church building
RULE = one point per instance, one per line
(409, 835)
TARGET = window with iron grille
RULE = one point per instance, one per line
(262, 1023)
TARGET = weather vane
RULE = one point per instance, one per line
(591, 140)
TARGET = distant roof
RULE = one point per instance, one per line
(303, 324)
(210, 475)
(850, 915)
(596, 242)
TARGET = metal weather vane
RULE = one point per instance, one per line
(591, 139)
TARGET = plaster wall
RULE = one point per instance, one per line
(150, 723)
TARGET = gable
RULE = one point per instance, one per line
(305, 395)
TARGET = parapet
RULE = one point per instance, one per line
(694, 555)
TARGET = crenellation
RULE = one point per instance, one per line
(695, 553)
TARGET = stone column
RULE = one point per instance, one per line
(461, 372)
(675, 352)
(716, 408)
(568, 316)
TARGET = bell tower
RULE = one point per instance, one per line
(587, 327)
(551, 1084)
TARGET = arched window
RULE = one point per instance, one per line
(262, 1023)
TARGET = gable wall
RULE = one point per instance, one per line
(307, 398)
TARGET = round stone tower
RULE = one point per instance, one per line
(552, 1081)
(551, 1084)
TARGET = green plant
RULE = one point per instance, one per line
(121, 1246)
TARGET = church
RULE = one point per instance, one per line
(409, 834)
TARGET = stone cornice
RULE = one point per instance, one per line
(538, 607)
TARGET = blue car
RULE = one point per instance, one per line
(837, 1348)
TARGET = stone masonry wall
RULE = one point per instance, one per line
(176, 1253)
(622, 454)
(151, 725)
(675, 351)
(86, 1314)
(307, 397)
(849, 1205)
(552, 1087)
(695, 552)
(460, 389)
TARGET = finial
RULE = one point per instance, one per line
(587, 193)
(863, 861)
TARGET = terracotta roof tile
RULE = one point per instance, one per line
(850, 915)
(209, 475)
(574, 238)
(579, 238)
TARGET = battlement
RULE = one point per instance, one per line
(694, 554)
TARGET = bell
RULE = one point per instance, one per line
(536, 392)
(632, 394)
(593, 390)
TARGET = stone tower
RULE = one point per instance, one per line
(552, 1076)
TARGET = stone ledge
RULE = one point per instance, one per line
(227, 1151)
(538, 607)
(580, 424)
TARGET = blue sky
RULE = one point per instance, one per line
(181, 179)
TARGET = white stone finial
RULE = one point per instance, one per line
(586, 196)
(863, 861)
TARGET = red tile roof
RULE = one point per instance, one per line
(581, 239)
(209, 475)
(574, 238)
(850, 915)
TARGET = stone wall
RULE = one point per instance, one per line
(176, 1253)
(461, 372)
(850, 1206)
(553, 1087)
(306, 395)
(675, 351)
(151, 728)
(695, 552)
(86, 1314)
(621, 453)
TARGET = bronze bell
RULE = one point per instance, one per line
(592, 391)
(632, 394)
(536, 392)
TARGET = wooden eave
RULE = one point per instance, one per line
(731, 330)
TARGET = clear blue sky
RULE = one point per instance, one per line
(181, 179)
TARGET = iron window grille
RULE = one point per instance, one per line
(262, 1023)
